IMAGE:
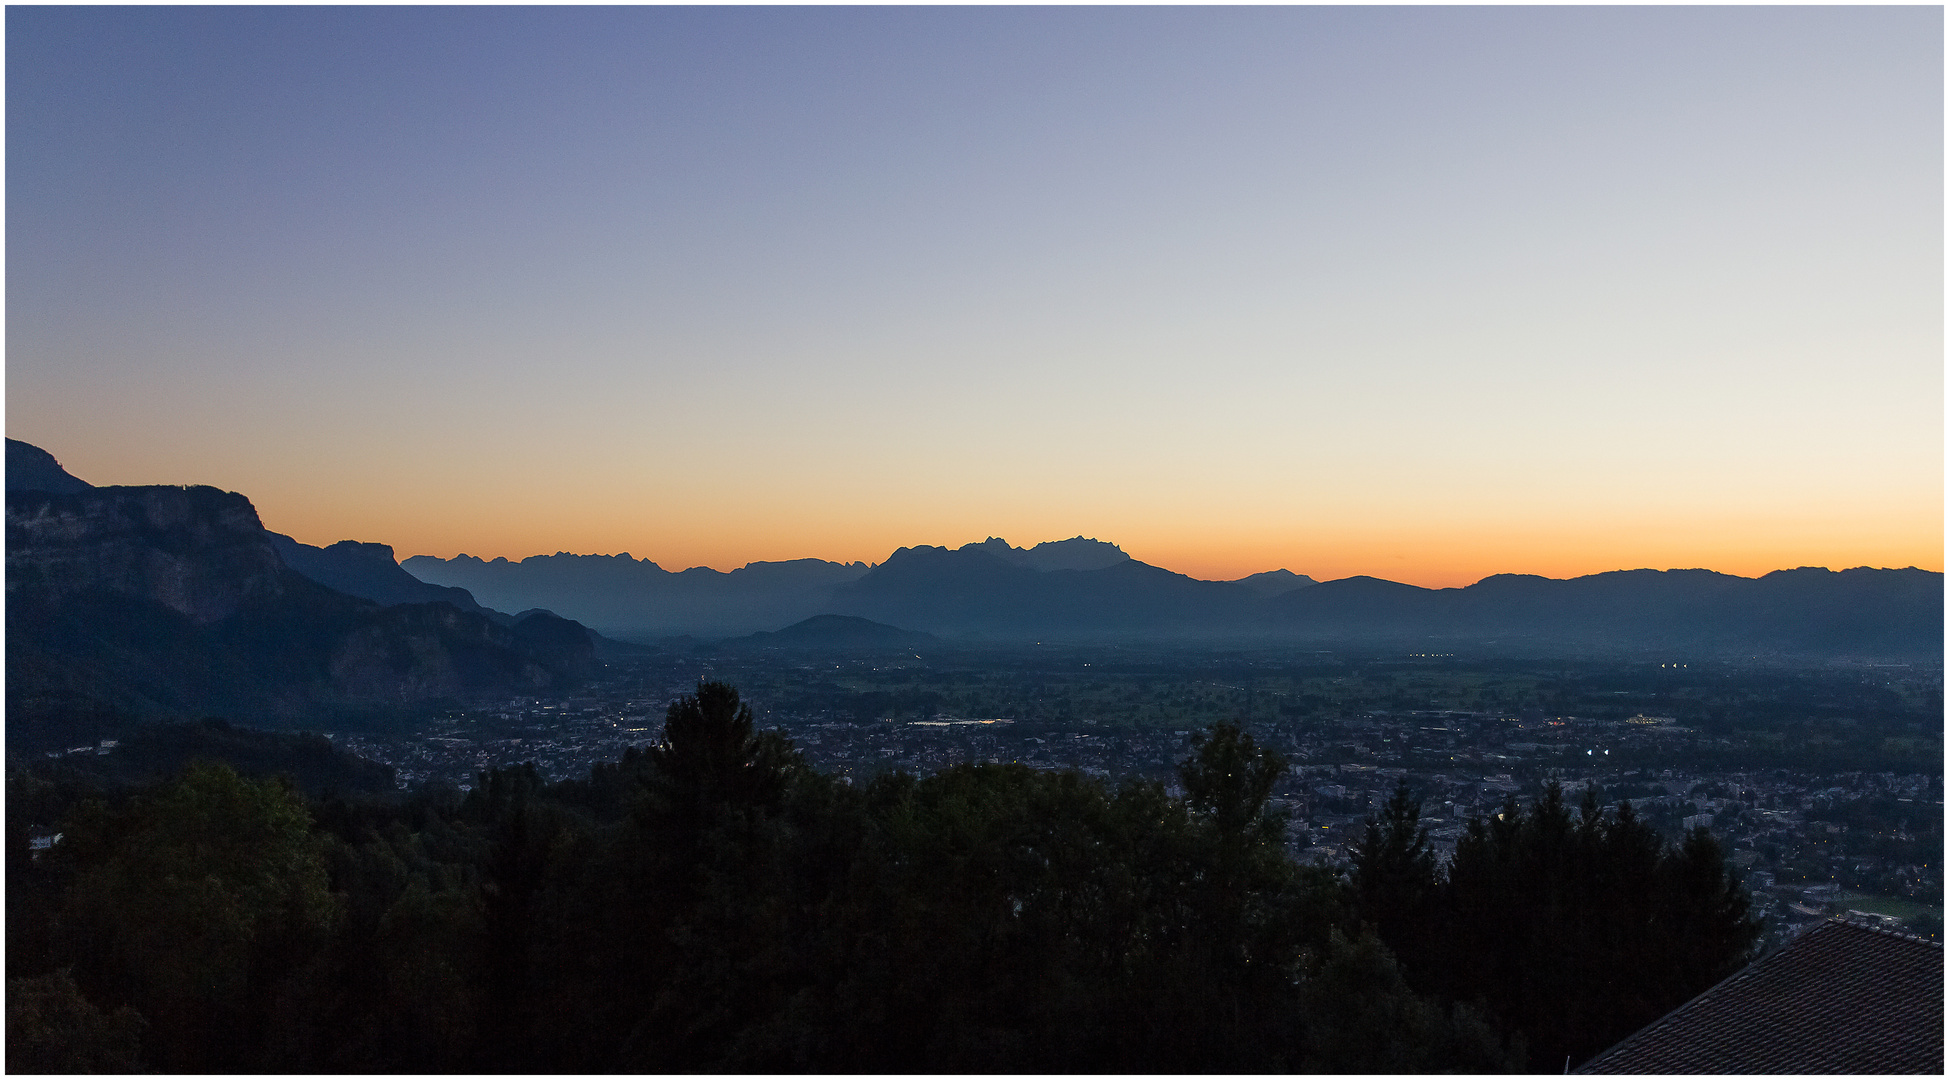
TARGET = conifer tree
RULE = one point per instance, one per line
(1394, 879)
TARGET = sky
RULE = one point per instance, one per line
(1427, 294)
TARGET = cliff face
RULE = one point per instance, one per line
(367, 570)
(197, 551)
(158, 601)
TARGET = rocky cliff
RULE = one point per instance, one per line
(157, 601)
(371, 571)
(197, 551)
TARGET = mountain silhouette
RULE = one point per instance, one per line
(1085, 590)
(635, 598)
(1860, 612)
(980, 591)
(370, 571)
(30, 468)
(1275, 582)
(1076, 553)
(1079, 589)
(148, 602)
(836, 633)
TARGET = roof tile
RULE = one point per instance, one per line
(1842, 997)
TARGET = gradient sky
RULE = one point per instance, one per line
(1422, 293)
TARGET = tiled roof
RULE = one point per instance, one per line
(1840, 998)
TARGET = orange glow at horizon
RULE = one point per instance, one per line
(1207, 525)
(1433, 553)
(1180, 281)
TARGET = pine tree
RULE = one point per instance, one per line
(1394, 878)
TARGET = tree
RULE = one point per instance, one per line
(1360, 1016)
(405, 986)
(1395, 883)
(709, 833)
(1577, 931)
(1229, 779)
(51, 1028)
(202, 908)
(711, 756)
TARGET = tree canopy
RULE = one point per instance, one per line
(1574, 929)
(711, 903)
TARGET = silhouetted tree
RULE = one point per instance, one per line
(1230, 778)
(711, 904)
(202, 908)
(709, 831)
(711, 757)
(1394, 879)
(1577, 931)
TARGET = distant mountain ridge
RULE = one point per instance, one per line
(1086, 590)
(1862, 612)
(368, 570)
(1274, 582)
(836, 633)
(975, 591)
(371, 572)
(1075, 553)
(625, 596)
(1079, 589)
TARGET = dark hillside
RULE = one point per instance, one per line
(846, 633)
(1806, 612)
(624, 596)
(366, 570)
(30, 468)
(155, 752)
(1275, 582)
(169, 601)
(972, 591)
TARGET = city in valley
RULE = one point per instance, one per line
(1824, 785)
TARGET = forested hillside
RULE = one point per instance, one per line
(712, 903)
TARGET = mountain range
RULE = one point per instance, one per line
(936, 589)
(635, 598)
(1083, 590)
(129, 603)
(177, 599)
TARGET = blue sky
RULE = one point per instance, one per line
(1426, 293)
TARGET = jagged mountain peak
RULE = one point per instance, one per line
(1075, 553)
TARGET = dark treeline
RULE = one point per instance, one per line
(1575, 929)
(711, 903)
